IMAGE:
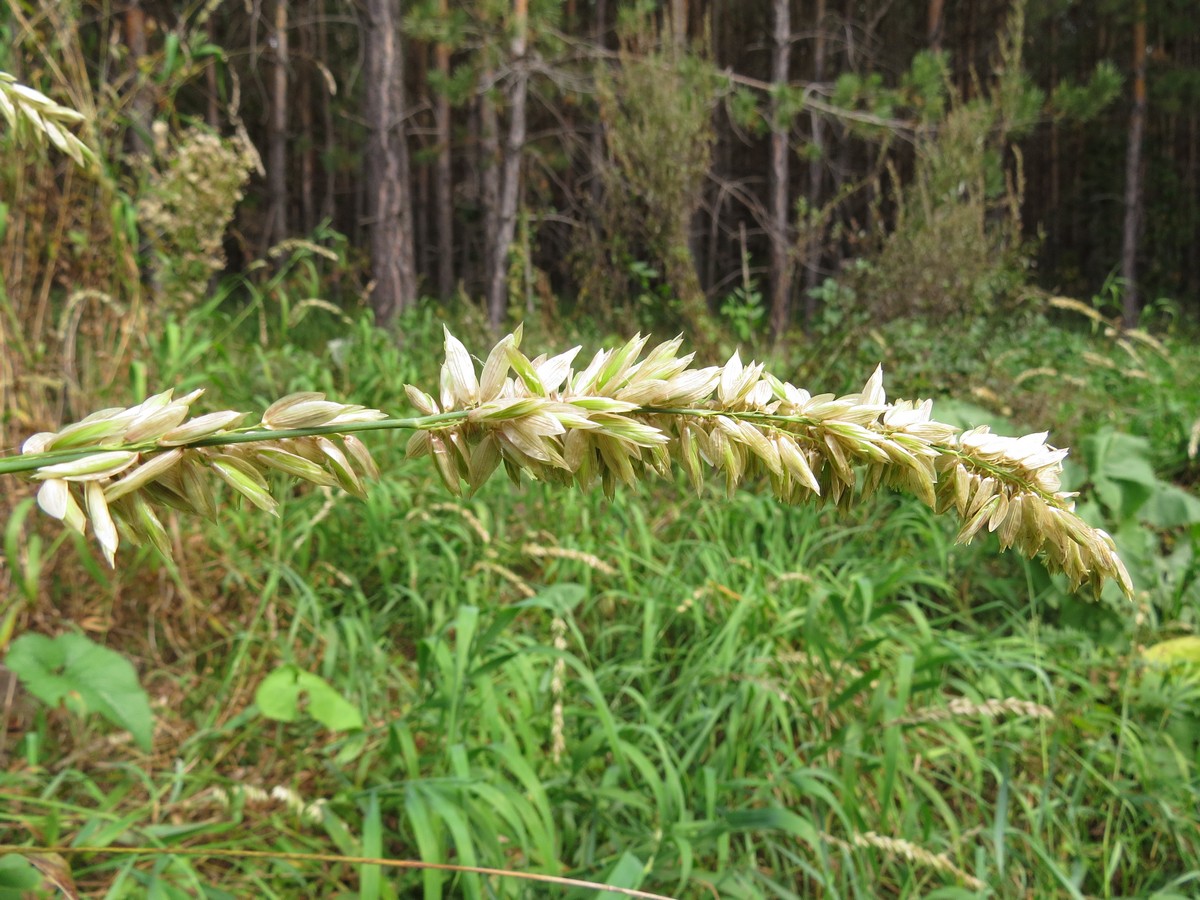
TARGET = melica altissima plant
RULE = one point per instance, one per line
(626, 413)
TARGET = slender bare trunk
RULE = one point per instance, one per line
(141, 103)
(816, 177)
(679, 24)
(329, 193)
(443, 185)
(597, 149)
(307, 148)
(277, 184)
(510, 181)
(935, 24)
(780, 275)
(489, 175)
(389, 201)
(1190, 181)
(423, 249)
(212, 112)
(1133, 171)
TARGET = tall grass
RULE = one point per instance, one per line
(758, 700)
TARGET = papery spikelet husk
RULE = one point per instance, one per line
(102, 522)
(96, 467)
(147, 472)
(201, 427)
(360, 456)
(294, 465)
(244, 478)
(342, 470)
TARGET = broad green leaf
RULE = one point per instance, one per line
(278, 698)
(17, 877)
(1178, 650)
(1170, 507)
(629, 872)
(72, 667)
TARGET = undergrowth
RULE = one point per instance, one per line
(659, 691)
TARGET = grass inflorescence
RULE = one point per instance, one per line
(623, 415)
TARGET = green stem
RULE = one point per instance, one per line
(31, 462)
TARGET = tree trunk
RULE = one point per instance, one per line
(489, 175)
(935, 24)
(277, 183)
(780, 276)
(443, 185)
(678, 24)
(212, 110)
(423, 250)
(1133, 171)
(141, 104)
(307, 147)
(389, 202)
(510, 181)
(816, 178)
(329, 192)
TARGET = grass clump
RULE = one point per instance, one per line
(655, 689)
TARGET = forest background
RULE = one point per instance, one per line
(997, 200)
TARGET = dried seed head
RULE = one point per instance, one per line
(246, 479)
(459, 374)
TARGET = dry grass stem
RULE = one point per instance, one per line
(911, 852)
(508, 575)
(962, 708)
(588, 559)
(558, 741)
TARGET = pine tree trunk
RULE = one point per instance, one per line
(1134, 198)
(386, 164)
(510, 181)
(489, 175)
(780, 276)
(935, 24)
(816, 177)
(277, 185)
(443, 185)
(141, 103)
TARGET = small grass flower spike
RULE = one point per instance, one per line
(626, 413)
(118, 469)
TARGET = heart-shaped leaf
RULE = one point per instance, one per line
(74, 669)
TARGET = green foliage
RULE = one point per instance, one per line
(17, 877)
(86, 677)
(926, 81)
(279, 696)
(743, 311)
(656, 108)
(731, 688)
(1144, 511)
(1082, 102)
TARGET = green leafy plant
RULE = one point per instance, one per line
(280, 695)
(86, 677)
